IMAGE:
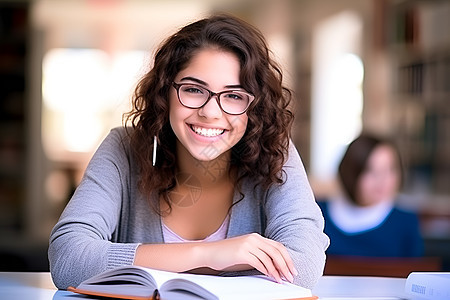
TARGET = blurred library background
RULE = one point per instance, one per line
(67, 68)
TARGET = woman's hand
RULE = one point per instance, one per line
(250, 251)
(246, 252)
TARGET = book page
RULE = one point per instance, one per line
(131, 281)
(239, 287)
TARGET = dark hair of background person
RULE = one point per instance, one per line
(262, 150)
(354, 161)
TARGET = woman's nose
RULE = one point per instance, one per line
(211, 109)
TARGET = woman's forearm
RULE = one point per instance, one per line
(174, 257)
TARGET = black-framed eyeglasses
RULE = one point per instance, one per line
(232, 102)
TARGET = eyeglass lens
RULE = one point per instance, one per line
(232, 102)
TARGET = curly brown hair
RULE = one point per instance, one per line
(261, 152)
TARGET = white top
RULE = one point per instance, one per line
(219, 234)
(351, 218)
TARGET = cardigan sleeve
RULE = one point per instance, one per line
(81, 242)
(295, 220)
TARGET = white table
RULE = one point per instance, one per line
(354, 287)
(39, 286)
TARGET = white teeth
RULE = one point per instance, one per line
(208, 132)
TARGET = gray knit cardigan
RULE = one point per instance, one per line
(107, 218)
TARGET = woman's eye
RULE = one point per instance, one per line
(234, 96)
(193, 90)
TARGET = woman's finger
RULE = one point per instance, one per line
(287, 265)
(266, 259)
(277, 260)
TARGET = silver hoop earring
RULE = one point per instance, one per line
(155, 145)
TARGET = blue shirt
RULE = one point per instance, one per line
(397, 236)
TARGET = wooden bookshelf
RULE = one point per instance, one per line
(13, 53)
(419, 44)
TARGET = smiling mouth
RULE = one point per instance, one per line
(208, 132)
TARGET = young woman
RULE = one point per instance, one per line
(366, 222)
(205, 178)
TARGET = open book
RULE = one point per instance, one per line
(133, 282)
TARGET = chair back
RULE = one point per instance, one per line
(380, 266)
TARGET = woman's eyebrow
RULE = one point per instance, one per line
(195, 80)
(199, 81)
(234, 86)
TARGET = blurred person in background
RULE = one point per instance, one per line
(366, 220)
